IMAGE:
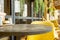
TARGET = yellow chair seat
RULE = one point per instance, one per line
(45, 36)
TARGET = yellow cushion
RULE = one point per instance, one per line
(45, 36)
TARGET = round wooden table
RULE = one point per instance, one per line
(23, 29)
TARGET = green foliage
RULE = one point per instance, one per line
(36, 6)
(22, 5)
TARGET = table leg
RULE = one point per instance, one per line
(12, 37)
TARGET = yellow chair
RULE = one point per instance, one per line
(45, 36)
(55, 22)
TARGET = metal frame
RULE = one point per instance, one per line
(12, 11)
(20, 17)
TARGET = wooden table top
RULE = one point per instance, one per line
(26, 29)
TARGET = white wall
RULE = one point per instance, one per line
(1, 5)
